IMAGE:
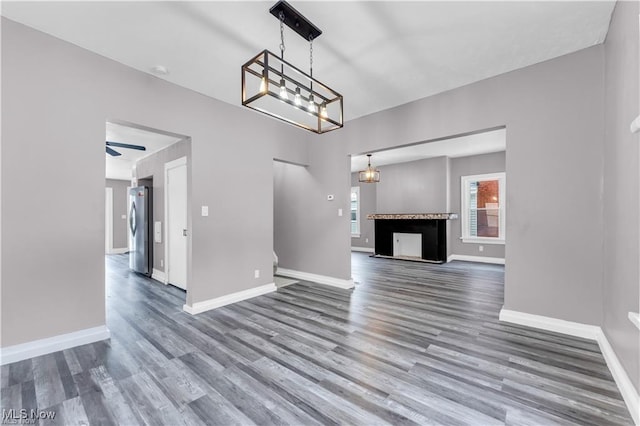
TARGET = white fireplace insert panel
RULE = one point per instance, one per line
(407, 245)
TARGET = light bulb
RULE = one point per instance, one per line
(323, 110)
(263, 82)
(283, 90)
(297, 99)
(312, 105)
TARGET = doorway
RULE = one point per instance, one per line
(136, 155)
(176, 222)
(429, 177)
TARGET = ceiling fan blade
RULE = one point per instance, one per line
(126, 145)
(113, 152)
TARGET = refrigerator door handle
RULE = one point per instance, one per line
(132, 219)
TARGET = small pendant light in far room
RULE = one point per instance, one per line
(370, 174)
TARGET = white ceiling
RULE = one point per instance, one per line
(121, 167)
(377, 54)
(463, 146)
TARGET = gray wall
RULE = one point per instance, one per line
(61, 109)
(467, 166)
(553, 113)
(153, 166)
(367, 206)
(413, 187)
(120, 202)
(621, 187)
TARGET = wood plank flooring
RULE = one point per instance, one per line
(412, 344)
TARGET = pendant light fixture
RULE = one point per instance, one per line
(370, 174)
(274, 87)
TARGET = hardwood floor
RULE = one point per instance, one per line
(413, 343)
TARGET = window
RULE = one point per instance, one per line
(483, 208)
(355, 211)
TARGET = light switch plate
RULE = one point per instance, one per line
(205, 210)
(339, 212)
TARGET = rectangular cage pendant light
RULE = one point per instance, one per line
(277, 88)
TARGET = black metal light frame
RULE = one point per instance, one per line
(270, 68)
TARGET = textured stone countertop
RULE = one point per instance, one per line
(413, 216)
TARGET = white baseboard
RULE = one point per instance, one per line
(320, 279)
(629, 393)
(118, 250)
(39, 347)
(592, 332)
(550, 324)
(363, 249)
(481, 259)
(159, 276)
(218, 302)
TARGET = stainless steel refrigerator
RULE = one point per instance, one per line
(140, 255)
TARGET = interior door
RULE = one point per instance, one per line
(177, 225)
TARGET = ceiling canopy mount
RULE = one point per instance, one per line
(295, 20)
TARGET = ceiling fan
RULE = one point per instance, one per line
(115, 153)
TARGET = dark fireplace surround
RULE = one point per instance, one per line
(432, 227)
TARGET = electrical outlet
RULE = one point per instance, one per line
(480, 248)
(339, 212)
(366, 240)
(256, 273)
(162, 263)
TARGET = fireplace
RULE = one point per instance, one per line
(416, 236)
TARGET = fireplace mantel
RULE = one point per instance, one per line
(421, 216)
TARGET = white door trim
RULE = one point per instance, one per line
(182, 161)
(108, 220)
(126, 207)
